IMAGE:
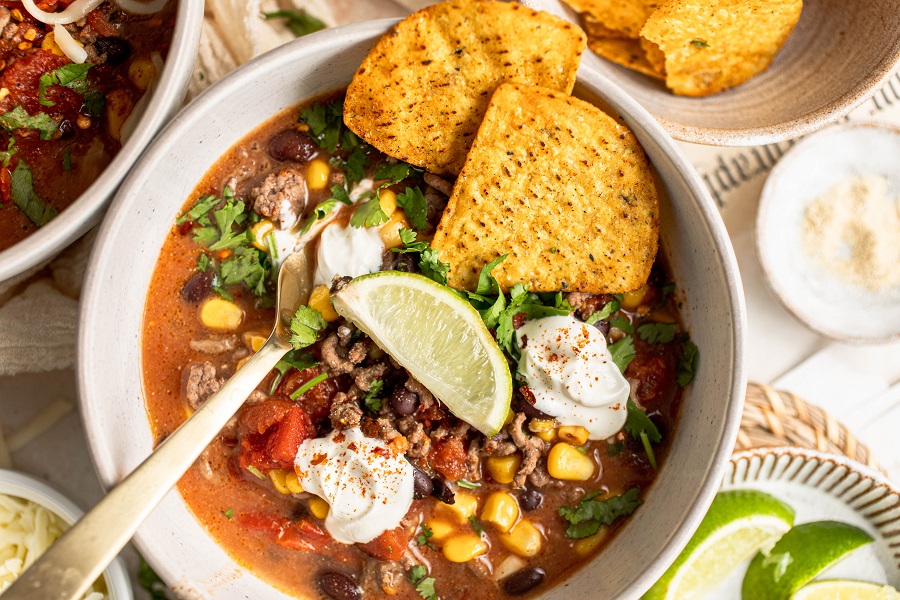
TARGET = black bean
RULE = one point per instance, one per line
(422, 484)
(442, 491)
(531, 499)
(66, 127)
(403, 401)
(116, 49)
(339, 586)
(524, 581)
(292, 145)
(197, 287)
(603, 326)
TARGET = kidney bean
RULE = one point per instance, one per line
(339, 586)
(292, 145)
(403, 401)
(442, 491)
(531, 499)
(422, 484)
(197, 287)
(524, 581)
(116, 49)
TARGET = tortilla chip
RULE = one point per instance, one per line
(625, 52)
(622, 17)
(654, 55)
(562, 188)
(713, 45)
(421, 93)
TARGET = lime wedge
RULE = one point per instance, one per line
(438, 337)
(846, 590)
(739, 523)
(801, 554)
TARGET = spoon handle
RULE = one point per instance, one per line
(78, 558)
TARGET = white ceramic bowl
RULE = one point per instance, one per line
(20, 485)
(109, 369)
(87, 210)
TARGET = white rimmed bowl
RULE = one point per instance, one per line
(132, 235)
(816, 297)
(87, 210)
(20, 485)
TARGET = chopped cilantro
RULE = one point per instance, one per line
(604, 313)
(24, 196)
(657, 333)
(553, 250)
(368, 214)
(256, 472)
(468, 484)
(325, 123)
(356, 164)
(299, 22)
(372, 401)
(622, 323)
(412, 201)
(431, 266)
(305, 325)
(293, 359)
(687, 365)
(204, 262)
(486, 282)
(309, 385)
(6, 155)
(424, 585)
(394, 172)
(408, 238)
(476, 525)
(72, 76)
(229, 514)
(18, 118)
(640, 427)
(423, 538)
(93, 104)
(203, 205)
(622, 352)
(246, 265)
(699, 44)
(586, 518)
(67, 160)
(150, 581)
(318, 213)
(231, 214)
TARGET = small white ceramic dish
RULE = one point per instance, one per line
(820, 486)
(13, 483)
(109, 369)
(815, 296)
(86, 211)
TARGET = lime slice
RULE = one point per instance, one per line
(801, 554)
(846, 590)
(739, 523)
(438, 337)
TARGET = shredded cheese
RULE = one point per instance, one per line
(139, 7)
(75, 11)
(68, 45)
(26, 531)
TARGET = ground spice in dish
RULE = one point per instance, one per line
(853, 231)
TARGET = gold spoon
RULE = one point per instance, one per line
(76, 560)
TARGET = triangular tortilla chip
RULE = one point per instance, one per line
(626, 17)
(626, 52)
(562, 188)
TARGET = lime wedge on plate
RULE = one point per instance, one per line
(846, 590)
(801, 554)
(438, 337)
(739, 523)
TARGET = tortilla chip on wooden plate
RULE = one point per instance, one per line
(614, 18)
(626, 52)
(421, 93)
(562, 188)
(713, 45)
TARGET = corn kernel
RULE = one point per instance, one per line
(30, 34)
(49, 43)
(318, 507)
(260, 231)
(388, 201)
(465, 506)
(503, 468)
(118, 107)
(545, 429)
(4, 92)
(634, 298)
(141, 72)
(16, 14)
(239, 364)
(390, 231)
(293, 483)
(524, 539)
(565, 462)
(278, 477)
(502, 510)
(320, 299)
(587, 545)
(547, 436)
(463, 548)
(218, 313)
(254, 341)
(440, 530)
(25, 46)
(573, 434)
(317, 174)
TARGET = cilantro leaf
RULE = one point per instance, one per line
(6, 155)
(588, 515)
(394, 172)
(204, 205)
(622, 323)
(18, 118)
(356, 164)
(622, 352)
(368, 214)
(505, 329)
(408, 237)
(325, 122)
(23, 195)
(232, 213)
(321, 210)
(687, 365)
(422, 540)
(657, 333)
(93, 103)
(72, 76)
(604, 313)
(294, 359)
(431, 266)
(299, 22)
(372, 401)
(305, 325)
(204, 262)
(424, 585)
(418, 572)
(486, 282)
(229, 514)
(247, 266)
(640, 427)
(412, 201)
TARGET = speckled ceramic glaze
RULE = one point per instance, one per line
(87, 210)
(109, 369)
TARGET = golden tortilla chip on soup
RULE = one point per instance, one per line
(421, 93)
(614, 18)
(562, 188)
(713, 45)
(626, 52)
(654, 55)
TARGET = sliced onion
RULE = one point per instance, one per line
(139, 7)
(68, 45)
(75, 11)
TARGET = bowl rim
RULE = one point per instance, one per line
(31, 488)
(767, 205)
(231, 85)
(87, 210)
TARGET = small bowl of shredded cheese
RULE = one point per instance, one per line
(828, 232)
(32, 516)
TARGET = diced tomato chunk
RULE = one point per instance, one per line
(303, 535)
(448, 457)
(289, 434)
(258, 418)
(317, 400)
(270, 433)
(262, 522)
(22, 79)
(390, 545)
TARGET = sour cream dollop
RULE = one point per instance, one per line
(369, 489)
(566, 364)
(352, 251)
